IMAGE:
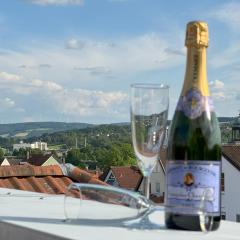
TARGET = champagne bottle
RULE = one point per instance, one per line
(194, 144)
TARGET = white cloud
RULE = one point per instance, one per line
(20, 110)
(21, 85)
(42, 65)
(228, 14)
(71, 102)
(142, 53)
(217, 84)
(81, 102)
(94, 70)
(123, 56)
(70, 87)
(56, 2)
(7, 102)
(8, 77)
(219, 95)
(74, 44)
(47, 85)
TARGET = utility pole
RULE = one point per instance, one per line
(76, 143)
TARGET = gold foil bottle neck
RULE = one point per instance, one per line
(197, 34)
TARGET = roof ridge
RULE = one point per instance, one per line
(232, 154)
(30, 170)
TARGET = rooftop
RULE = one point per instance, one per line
(52, 179)
(38, 159)
(232, 154)
(127, 177)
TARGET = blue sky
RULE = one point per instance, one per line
(73, 60)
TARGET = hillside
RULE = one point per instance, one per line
(69, 133)
(36, 129)
(225, 119)
(100, 135)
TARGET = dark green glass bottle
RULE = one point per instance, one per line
(194, 145)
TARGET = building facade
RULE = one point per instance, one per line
(35, 145)
(230, 206)
(157, 181)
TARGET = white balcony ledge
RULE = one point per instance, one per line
(26, 215)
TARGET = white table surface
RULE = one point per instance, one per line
(31, 211)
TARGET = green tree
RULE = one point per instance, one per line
(74, 157)
(116, 155)
(1, 153)
(35, 151)
(21, 153)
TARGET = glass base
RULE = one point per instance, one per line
(144, 223)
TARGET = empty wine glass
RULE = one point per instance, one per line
(149, 111)
(97, 202)
(98, 205)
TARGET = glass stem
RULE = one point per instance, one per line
(146, 187)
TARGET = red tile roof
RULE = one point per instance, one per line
(38, 159)
(48, 179)
(127, 177)
(232, 154)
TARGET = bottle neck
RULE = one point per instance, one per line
(196, 71)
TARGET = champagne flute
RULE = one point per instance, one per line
(98, 205)
(149, 111)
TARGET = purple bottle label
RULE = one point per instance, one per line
(193, 187)
(193, 104)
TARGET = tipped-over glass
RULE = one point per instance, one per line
(98, 205)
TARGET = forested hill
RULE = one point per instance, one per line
(36, 129)
(100, 135)
(71, 133)
(31, 129)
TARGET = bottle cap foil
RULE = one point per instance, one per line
(197, 34)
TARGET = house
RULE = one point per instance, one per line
(39, 145)
(131, 178)
(230, 206)
(157, 179)
(35, 145)
(5, 162)
(10, 160)
(125, 177)
(42, 160)
(21, 145)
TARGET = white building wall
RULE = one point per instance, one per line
(39, 145)
(157, 178)
(17, 146)
(36, 145)
(231, 195)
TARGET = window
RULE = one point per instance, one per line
(238, 218)
(222, 182)
(157, 187)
